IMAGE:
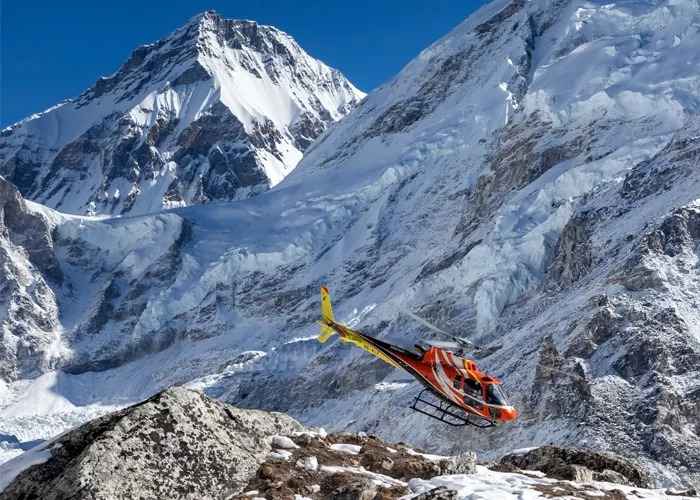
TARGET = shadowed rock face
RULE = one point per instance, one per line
(178, 444)
(572, 256)
(29, 230)
(29, 267)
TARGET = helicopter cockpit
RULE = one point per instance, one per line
(495, 395)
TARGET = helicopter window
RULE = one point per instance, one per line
(472, 388)
(458, 381)
(495, 396)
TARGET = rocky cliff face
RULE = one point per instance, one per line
(219, 110)
(554, 224)
(30, 269)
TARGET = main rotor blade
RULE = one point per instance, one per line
(434, 328)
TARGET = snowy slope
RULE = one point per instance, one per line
(218, 110)
(491, 485)
(528, 181)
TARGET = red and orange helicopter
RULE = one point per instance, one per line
(456, 391)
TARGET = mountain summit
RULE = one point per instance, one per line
(219, 110)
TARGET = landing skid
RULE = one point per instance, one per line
(429, 404)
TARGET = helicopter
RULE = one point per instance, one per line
(456, 391)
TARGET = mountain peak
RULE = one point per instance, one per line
(238, 99)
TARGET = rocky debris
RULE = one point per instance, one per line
(348, 466)
(177, 444)
(690, 492)
(577, 465)
(439, 493)
(567, 489)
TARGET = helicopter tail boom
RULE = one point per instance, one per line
(330, 327)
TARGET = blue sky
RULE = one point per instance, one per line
(53, 50)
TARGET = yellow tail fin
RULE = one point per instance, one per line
(347, 335)
(326, 315)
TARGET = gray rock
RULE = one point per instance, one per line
(463, 463)
(30, 268)
(439, 493)
(355, 489)
(610, 476)
(29, 230)
(572, 257)
(578, 465)
(178, 444)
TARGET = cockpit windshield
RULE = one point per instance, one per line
(495, 396)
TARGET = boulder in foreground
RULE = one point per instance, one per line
(177, 444)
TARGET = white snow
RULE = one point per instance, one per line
(281, 454)
(429, 456)
(352, 449)
(309, 463)
(378, 479)
(490, 485)
(13, 468)
(257, 84)
(523, 451)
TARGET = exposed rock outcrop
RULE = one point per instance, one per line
(178, 444)
(577, 465)
(28, 229)
(28, 269)
(572, 256)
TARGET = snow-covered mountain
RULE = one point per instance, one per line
(219, 110)
(529, 181)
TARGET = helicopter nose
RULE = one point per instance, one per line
(508, 414)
